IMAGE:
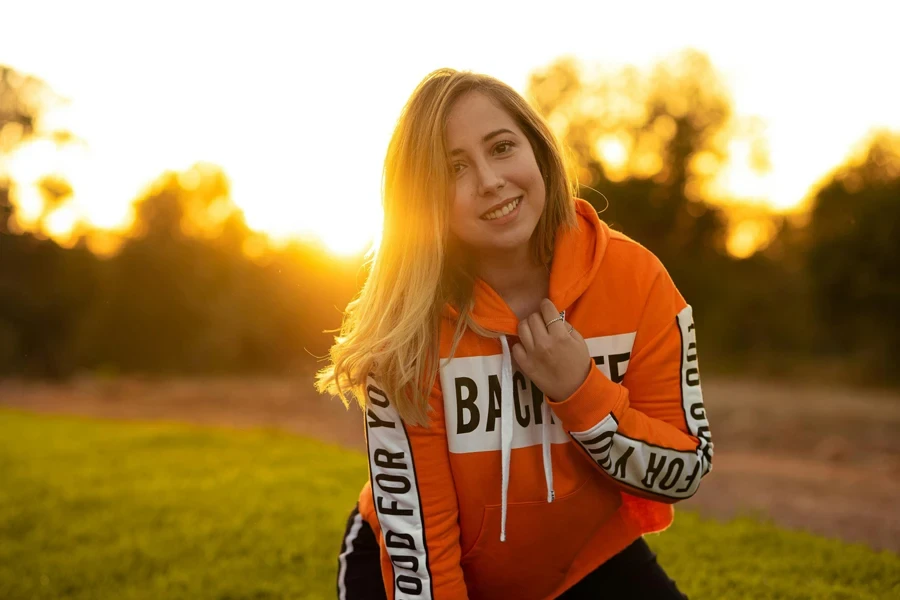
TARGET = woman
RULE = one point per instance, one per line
(529, 377)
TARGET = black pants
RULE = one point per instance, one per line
(632, 573)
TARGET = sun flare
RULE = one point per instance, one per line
(301, 133)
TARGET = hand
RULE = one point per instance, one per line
(555, 359)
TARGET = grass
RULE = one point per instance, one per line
(98, 509)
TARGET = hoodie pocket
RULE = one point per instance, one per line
(542, 540)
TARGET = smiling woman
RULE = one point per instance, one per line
(528, 377)
(502, 161)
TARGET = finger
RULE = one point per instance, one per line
(548, 311)
(519, 355)
(525, 336)
(539, 334)
(574, 333)
(580, 338)
(558, 326)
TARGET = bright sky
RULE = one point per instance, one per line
(296, 101)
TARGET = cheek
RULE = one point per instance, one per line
(464, 197)
(458, 212)
(536, 182)
(530, 172)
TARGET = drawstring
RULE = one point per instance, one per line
(506, 434)
(545, 446)
(506, 427)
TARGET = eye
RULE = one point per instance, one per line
(456, 167)
(506, 145)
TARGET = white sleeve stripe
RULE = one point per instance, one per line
(658, 447)
(421, 516)
(649, 467)
(661, 471)
(691, 390)
(599, 430)
(372, 487)
(628, 482)
(396, 497)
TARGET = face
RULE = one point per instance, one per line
(499, 193)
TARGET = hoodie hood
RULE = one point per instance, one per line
(577, 254)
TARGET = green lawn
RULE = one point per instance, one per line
(99, 509)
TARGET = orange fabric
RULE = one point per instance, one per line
(628, 443)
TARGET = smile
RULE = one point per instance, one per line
(504, 213)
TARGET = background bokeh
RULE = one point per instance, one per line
(187, 194)
(188, 287)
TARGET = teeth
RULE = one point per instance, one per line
(500, 212)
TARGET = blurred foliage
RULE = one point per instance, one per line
(647, 147)
(667, 133)
(191, 289)
(23, 99)
(191, 299)
(853, 255)
(180, 296)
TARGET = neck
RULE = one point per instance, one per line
(514, 275)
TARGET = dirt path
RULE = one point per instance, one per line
(821, 459)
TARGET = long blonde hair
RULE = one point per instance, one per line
(391, 329)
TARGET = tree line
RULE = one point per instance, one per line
(182, 295)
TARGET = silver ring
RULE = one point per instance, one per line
(551, 321)
(571, 327)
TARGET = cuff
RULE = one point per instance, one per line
(589, 404)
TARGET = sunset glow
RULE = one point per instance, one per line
(299, 114)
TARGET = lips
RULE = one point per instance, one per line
(496, 211)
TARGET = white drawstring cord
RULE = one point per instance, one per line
(506, 434)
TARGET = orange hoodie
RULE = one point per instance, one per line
(509, 494)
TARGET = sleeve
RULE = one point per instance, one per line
(414, 499)
(647, 431)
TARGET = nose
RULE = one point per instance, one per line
(489, 181)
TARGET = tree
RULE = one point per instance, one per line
(647, 147)
(23, 100)
(854, 253)
(650, 143)
(43, 288)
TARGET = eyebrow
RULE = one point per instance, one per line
(484, 139)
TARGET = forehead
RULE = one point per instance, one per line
(473, 115)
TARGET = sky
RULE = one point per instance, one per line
(297, 101)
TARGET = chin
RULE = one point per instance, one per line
(505, 244)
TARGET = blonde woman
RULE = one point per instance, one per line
(528, 376)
